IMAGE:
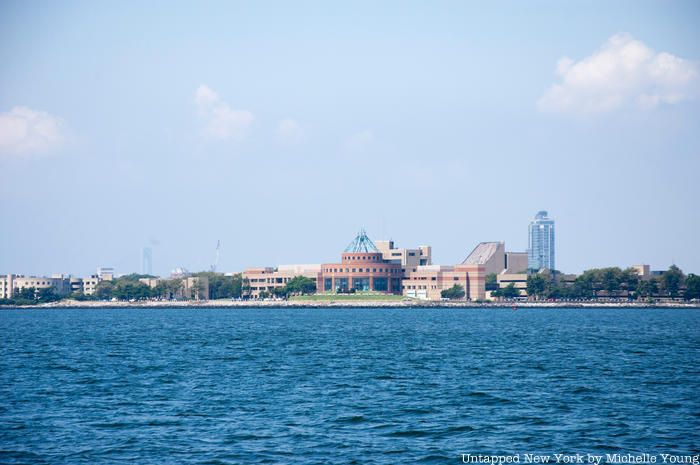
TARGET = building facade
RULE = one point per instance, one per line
(362, 267)
(407, 258)
(381, 268)
(11, 284)
(428, 282)
(540, 252)
(260, 280)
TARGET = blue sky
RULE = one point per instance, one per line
(281, 128)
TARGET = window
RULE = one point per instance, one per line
(341, 283)
(328, 284)
(360, 284)
(381, 284)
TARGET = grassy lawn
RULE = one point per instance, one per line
(348, 297)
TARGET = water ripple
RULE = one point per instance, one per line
(365, 386)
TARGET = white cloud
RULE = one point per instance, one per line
(359, 141)
(24, 131)
(220, 121)
(623, 72)
(290, 131)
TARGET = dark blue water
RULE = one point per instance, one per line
(384, 386)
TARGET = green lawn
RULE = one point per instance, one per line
(347, 297)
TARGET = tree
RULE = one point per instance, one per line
(692, 287)
(672, 280)
(648, 288)
(301, 285)
(610, 279)
(131, 290)
(26, 293)
(237, 285)
(536, 286)
(104, 289)
(630, 279)
(509, 292)
(455, 292)
(491, 282)
(281, 291)
(47, 294)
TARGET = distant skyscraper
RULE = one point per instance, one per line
(147, 261)
(540, 251)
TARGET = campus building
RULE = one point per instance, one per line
(363, 267)
(189, 287)
(368, 267)
(407, 258)
(540, 251)
(11, 284)
(267, 279)
(494, 258)
(428, 282)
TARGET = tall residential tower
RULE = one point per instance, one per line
(540, 251)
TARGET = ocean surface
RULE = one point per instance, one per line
(337, 386)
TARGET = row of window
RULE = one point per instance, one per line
(371, 258)
(362, 270)
(361, 284)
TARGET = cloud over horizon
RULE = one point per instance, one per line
(624, 72)
(220, 121)
(290, 131)
(25, 131)
(359, 141)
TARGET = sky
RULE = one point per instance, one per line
(282, 128)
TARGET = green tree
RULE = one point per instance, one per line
(672, 280)
(301, 285)
(509, 292)
(630, 279)
(237, 285)
(692, 287)
(648, 288)
(47, 294)
(455, 292)
(611, 279)
(281, 291)
(104, 290)
(536, 286)
(131, 290)
(26, 293)
(491, 282)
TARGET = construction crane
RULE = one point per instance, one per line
(216, 258)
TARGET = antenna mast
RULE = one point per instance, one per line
(216, 259)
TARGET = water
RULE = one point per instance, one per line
(365, 386)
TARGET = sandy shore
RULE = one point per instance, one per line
(351, 304)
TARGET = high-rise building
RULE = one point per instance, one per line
(147, 261)
(540, 251)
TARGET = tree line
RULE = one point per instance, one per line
(299, 285)
(129, 287)
(614, 282)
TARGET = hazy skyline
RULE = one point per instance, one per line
(281, 129)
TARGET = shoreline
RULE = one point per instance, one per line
(225, 303)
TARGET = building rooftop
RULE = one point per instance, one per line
(482, 253)
(361, 244)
